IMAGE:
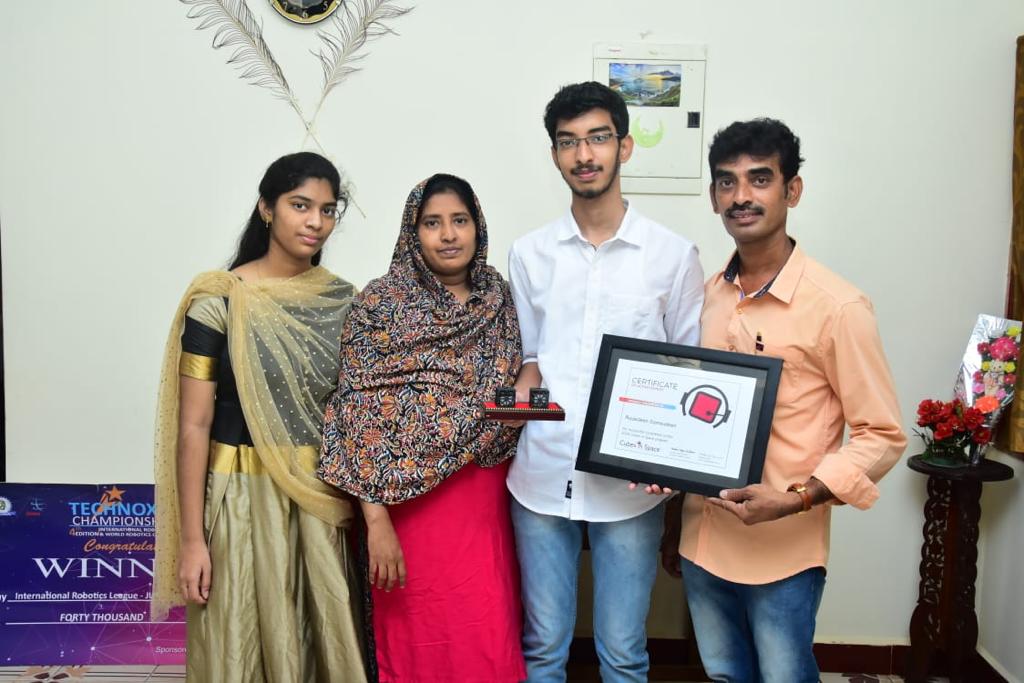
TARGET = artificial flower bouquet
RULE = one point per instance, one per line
(961, 429)
(956, 431)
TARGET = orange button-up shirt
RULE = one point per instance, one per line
(834, 374)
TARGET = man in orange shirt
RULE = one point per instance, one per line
(753, 560)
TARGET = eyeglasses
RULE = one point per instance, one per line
(595, 140)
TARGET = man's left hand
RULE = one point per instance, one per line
(758, 503)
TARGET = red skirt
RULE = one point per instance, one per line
(459, 618)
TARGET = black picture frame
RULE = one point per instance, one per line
(765, 370)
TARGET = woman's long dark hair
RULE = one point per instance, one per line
(284, 175)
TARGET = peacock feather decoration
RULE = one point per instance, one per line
(341, 51)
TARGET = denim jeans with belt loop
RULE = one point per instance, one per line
(624, 559)
(755, 633)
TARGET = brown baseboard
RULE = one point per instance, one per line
(892, 659)
(983, 672)
(677, 660)
(863, 659)
(671, 660)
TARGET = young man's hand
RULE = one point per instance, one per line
(652, 489)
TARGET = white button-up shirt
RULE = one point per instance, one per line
(645, 282)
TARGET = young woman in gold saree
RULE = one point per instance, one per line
(246, 534)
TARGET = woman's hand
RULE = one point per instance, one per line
(194, 571)
(194, 420)
(387, 565)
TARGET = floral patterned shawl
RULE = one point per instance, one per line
(416, 365)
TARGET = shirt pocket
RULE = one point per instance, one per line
(631, 315)
(793, 359)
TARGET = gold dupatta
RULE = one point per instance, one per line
(283, 338)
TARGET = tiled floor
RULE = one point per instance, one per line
(93, 674)
(159, 674)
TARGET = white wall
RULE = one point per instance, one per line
(130, 154)
(1000, 581)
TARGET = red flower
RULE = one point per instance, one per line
(943, 430)
(973, 418)
(979, 376)
(983, 348)
(956, 423)
(982, 436)
(1010, 378)
(928, 412)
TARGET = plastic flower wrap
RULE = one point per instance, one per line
(988, 372)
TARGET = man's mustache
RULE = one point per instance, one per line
(586, 168)
(745, 206)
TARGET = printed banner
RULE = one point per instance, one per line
(76, 577)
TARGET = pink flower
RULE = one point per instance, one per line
(1010, 378)
(978, 375)
(978, 388)
(1004, 349)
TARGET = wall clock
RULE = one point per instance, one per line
(305, 11)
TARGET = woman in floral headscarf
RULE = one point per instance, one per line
(422, 348)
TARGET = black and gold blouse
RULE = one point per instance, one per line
(204, 356)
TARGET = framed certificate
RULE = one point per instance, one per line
(687, 418)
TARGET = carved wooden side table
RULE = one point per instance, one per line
(944, 619)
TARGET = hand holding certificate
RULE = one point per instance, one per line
(680, 417)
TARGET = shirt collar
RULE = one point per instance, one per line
(783, 285)
(631, 229)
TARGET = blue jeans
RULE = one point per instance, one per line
(749, 633)
(624, 557)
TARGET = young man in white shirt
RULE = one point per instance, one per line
(602, 268)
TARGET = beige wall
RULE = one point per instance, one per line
(130, 154)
